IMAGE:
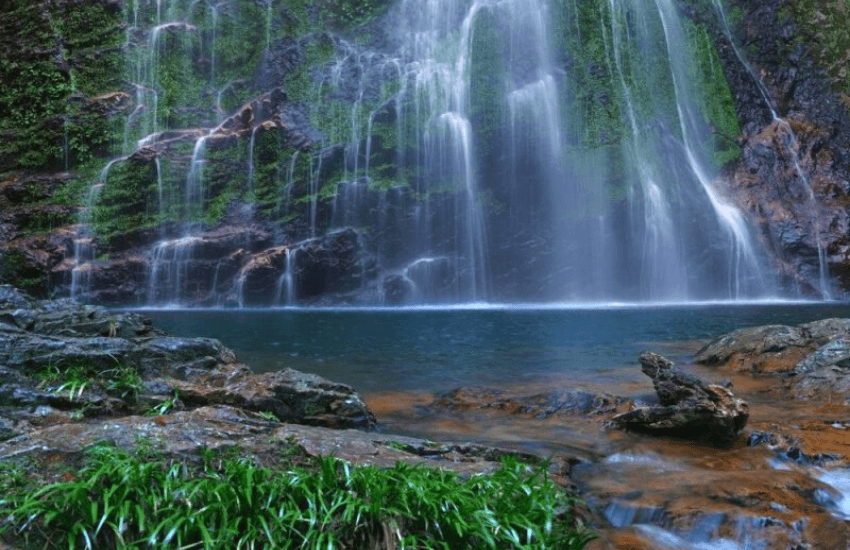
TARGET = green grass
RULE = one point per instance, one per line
(121, 381)
(125, 501)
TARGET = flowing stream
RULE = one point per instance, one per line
(676, 495)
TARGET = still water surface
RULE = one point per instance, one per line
(378, 350)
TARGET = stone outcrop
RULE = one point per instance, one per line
(61, 361)
(688, 406)
(812, 359)
(791, 179)
(231, 265)
(218, 427)
(770, 349)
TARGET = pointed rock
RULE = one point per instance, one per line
(689, 407)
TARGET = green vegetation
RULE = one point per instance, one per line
(128, 199)
(824, 26)
(606, 57)
(136, 501)
(487, 84)
(61, 56)
(119, 380)
(718, 105)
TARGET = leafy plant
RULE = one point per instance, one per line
(122, 381)
(270, 416)
(166, 406)
(125, 501)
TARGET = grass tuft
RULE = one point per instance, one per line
(134, 502)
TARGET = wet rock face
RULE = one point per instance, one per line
(770, 349)
(813, 358)
(127, 366)
(231, 265)
(788, 183)
(689, 407)
(812, 142)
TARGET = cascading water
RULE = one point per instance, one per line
(489, 150)
(541, 210)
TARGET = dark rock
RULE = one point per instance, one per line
(835, 353)
(825, 372)
(257, 282)
(190, 432)
(671, 384)
(12, 297)
(332, 264)
(560, 402)
(291, 395)
(433, 278)
(397, 289)
(689, 407)
(54, 335)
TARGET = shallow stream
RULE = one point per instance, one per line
(653, 493)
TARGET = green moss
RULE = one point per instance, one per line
(822, 25)
(346, 14)
(127, 201)
(59, 52)
(718, 104)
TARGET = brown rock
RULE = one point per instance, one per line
(770, 349)
(689, 407)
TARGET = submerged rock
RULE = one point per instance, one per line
(689, 407)
(567, 401)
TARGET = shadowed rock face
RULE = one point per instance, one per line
(689, 407)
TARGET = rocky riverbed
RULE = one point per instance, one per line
(777, 477)
(746, 447)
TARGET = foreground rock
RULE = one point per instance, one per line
(689, 407)
(61, 362)
(216, 427)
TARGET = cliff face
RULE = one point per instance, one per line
(793, 177)
(60, 93)
(271, 133)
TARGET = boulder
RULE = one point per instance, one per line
(124, 365)
(291, 395)
(770, 349)
(333, 264)
(397, 289)
(824, 373)
(688, 407)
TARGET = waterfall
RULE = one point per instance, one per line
(483, 150)
(546, 207)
